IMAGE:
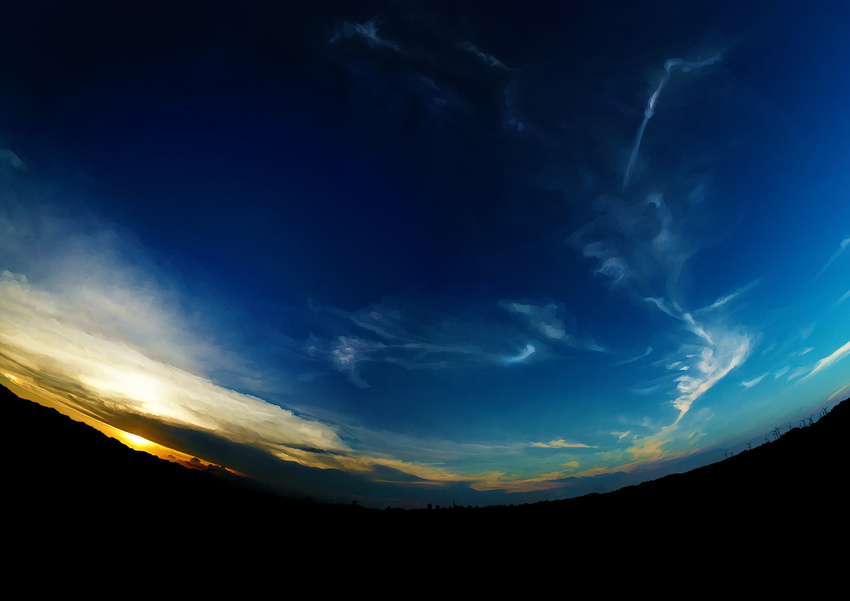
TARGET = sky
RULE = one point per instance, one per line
(422, 252)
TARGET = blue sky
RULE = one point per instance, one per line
(405, 254)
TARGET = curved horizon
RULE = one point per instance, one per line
(411, 255)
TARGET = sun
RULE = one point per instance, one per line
(136, 440)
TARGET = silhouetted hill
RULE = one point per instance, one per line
(64, 479)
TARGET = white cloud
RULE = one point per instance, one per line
(781, 372)
(829, 360)
(523, 355)
(561, 444)
(797, 373)
(44, 331)
(723, 300)
(750, 383)
(716, 352)
(543, 320)
(715, 361)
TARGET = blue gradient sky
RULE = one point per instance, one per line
(404, 253)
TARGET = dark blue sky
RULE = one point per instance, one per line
(438, 250)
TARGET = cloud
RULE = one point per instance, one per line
(646, 353)
(712, 355)
(649, 111)
(636, 246)
(544, 321)
(561, 444)
(44, 346)
(807, 331)
(527, 352)
(842, 246)
(750, 383)
(714, 361)
(800, 371)
(102, 331)
(42, 330)
(368, 31)
(519, 484)
(723, 300)
(829, 360)
(645, 390)
(412, 334)
(8, 157)
(487, 58)
(640, 247)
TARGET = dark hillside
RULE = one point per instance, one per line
(66, 480)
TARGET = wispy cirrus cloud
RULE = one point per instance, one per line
(781, 372)
(750, 383)
(484, 56)
(829, 360)
(642, 246)
(797, 373)
(638, 247)
(635, 245)
(713, 351)
(368, 31)
(561, 444)
(407, 333)
(7, 157)
(643, 355)
(724, 300)
(842, 246)
(545, 322)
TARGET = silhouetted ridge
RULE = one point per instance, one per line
(64, 474)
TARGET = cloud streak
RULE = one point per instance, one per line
(838, 252)
(649, 111)
(829, 360)
(646, 353)
(368, 31)
(487, 58)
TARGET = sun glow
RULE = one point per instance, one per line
(136, 440)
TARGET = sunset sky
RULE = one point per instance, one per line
(411, 252)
